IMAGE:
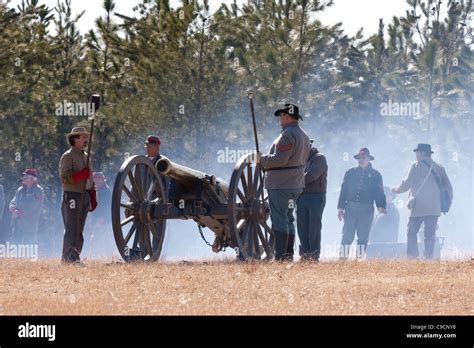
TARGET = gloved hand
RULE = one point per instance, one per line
(94, 204)
(257, 157)
(17, 213)
(83, 174)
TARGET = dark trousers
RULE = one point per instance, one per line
(414, 224)
(309, 216)
(358, 218)
(74, 209)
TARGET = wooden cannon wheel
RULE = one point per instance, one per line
(137, 235)
(248, 212)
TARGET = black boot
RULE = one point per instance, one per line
(290, 248)
(281, 245)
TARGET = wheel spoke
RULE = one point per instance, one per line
(150, 180)
(126, 205)
(266, 227)
(139, 182)
(129, 194)
(146, 238)
(263, 240)
(242, 223)
(256, 241)
(130, 233)
(243, 199)
(249, 176)
(244, 185)
(154, 231)
(127, 220)
(151, 188)
(259, 190)
(135, 188)
(144, 179)
(268, 231)
(264, 234)
(259, 187)
(256, 180)
(137, 236)
(247, 242)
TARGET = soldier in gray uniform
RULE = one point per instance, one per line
(25, 208)
(79, 194)
(284, 177)
(311, 206)
(362, 186)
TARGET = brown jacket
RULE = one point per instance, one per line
(428, 201)
(72, 161)
(316, 173)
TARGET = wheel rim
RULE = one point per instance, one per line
(247, 214)
(138, 236)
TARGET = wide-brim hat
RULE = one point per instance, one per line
(290, 109)
(423, 148)
(78, 131)
(364, 152)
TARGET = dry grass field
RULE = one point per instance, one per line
(228, 288)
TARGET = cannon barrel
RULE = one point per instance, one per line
(186, 176)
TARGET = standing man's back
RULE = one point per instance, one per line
(426, 182)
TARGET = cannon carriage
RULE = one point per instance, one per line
(237, 213)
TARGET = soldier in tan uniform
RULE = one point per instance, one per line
(79, 196)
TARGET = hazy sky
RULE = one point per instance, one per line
(354, 14)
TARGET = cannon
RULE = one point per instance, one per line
(145, 196)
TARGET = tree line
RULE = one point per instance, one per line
(183, 73)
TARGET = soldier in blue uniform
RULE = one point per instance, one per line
(284, 178)
(362, 186)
